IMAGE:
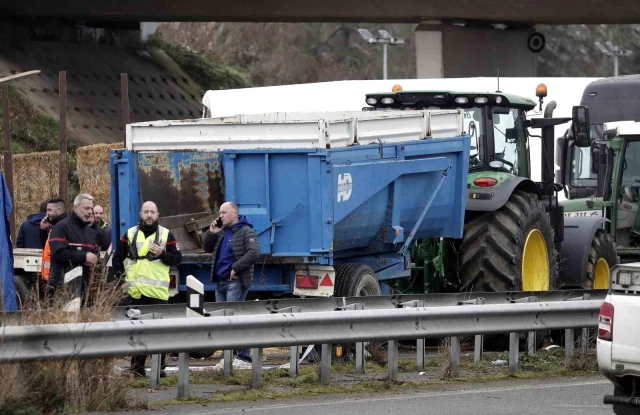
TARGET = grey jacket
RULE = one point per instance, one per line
(245, 248)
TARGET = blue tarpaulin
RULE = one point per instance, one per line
(7, 284)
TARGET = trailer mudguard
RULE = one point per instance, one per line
(578, 235)
(492, 199)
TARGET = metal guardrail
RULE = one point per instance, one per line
(345, 324)
(336, 303)
(371, 303)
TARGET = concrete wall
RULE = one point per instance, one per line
(446, 51)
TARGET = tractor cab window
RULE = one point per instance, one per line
(473, 125)
(631, 169)
(582, 172)
(510, 141)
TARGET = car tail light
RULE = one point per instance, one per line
(605, 322)
(172, 281)
(307, 281)
(485, 181)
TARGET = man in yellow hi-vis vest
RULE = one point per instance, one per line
(144, 256)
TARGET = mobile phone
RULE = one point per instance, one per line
(218, 223)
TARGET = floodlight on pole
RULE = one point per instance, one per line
(385, 39)
(612, 50)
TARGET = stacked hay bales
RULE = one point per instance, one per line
(35, 179)
(94, 175)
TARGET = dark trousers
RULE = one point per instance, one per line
(140, 360)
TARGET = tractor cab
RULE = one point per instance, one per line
(582, 170)
(496, 123)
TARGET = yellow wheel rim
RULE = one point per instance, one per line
(601, 275)
(535, 263)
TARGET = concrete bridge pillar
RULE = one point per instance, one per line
(456, 51)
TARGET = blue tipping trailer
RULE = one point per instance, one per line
(333, 215)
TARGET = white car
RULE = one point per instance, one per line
(619, 339)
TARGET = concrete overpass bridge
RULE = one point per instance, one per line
(454, 38)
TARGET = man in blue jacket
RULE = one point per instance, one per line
(29, 233)
(235, 249)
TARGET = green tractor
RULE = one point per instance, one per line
(514, 227)
(602, 180)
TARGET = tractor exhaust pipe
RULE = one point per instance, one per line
(548, 151)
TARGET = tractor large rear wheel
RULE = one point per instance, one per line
(510, 249)
(602, 256)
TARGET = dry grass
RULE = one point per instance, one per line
(584, 359)
(45, 387)
(94, 174)
(444, 358)
(379, 352)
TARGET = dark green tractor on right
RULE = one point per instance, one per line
(603, 180)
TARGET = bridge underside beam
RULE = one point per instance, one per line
(401, 11)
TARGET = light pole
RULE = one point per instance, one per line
(386, 39)
(612, 50)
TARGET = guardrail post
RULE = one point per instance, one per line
(294, 361)
(514, 340)
(455, 355)
(183, 375)
(256, 381)
(419, 342)
(478, 343)
(392, 360)
(568, 345)
(584, 343)
(134, 314)
(227, 355)
(325, 365)
(514, 345)
(569, 335)
(195, 308)
(360, 361)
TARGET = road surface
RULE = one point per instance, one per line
(574, 395)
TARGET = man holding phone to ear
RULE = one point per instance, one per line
(235, 249)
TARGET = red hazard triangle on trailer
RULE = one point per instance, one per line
(326, 281)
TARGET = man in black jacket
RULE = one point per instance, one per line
(30, 232)
(104, 225)
(73, 248)
(56, 212)
(235, 249)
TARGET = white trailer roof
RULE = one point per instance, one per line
(294, 130)
(624, 127)
(350, 95)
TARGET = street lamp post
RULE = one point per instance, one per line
(614, 51)
(385, 39)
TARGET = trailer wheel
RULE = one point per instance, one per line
(353, 280)
(356, 280)
(509, 249)
(602, 256)
(22, 291)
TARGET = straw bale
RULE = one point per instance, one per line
(94, 174)
(35, 179)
